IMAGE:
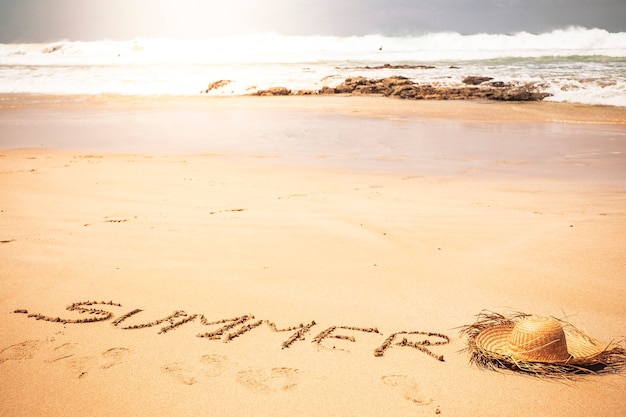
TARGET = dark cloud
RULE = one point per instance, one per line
(44, 20)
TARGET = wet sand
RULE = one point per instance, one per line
(295, 236)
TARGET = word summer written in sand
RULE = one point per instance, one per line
(228, 329)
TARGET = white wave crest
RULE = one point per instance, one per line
(290, 49)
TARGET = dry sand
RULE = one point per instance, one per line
(346, 253)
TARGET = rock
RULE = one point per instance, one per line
(367, 90)
(395, 81)
(306, 93)
(279, 91)
(390, 66)
(364, 86)
(328, 90)
(474, 80)
(217, 84)
(274, 91)
(405, 88)
(350, 84)
(403, 91)
(519, 94)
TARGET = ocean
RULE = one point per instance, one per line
(576, 65)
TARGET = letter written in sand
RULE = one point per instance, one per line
(228, 324)
(177, 318)
(424, 339)
(82, 307)
(300, 332)
(329, 334)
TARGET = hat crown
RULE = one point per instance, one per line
(539, 339)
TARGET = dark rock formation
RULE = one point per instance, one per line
(404, 88)
(217, 84)
(390, 66)
(474, 80)
(274, 91)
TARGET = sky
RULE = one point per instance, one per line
(87, 20)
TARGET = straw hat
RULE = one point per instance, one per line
(540, 339)
(540, 346)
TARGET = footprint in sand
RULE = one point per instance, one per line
(113, 356)
(66, 350)
(214, 365)
(20, 351)
(267, 381)
(82, 365)
(408, 387)
(210, 366)
(185, 374)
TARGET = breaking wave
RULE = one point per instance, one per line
(267, 48)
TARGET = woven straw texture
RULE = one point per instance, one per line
(539, 339)
(539, 346)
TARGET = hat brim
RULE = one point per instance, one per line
(487, 344)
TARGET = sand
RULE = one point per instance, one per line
(296, 236)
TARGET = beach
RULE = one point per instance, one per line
(279, 250)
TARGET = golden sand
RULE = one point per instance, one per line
(239, 283)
